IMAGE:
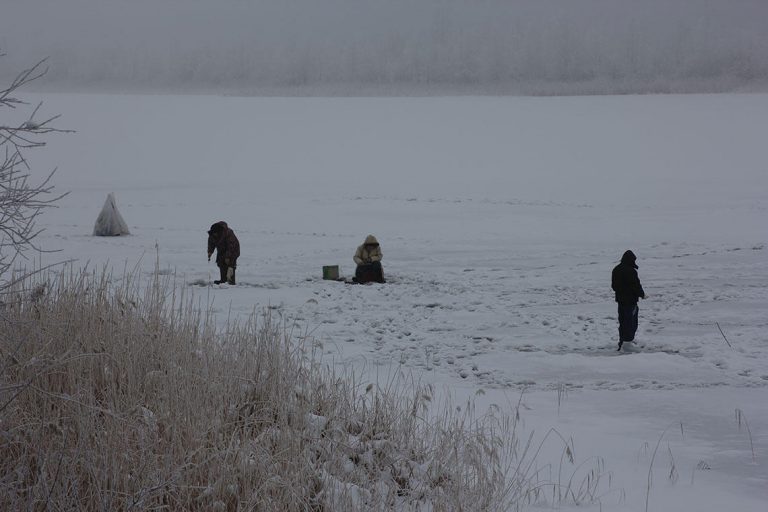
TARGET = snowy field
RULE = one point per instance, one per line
(500, 220)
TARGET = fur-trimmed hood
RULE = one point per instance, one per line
(368, 252)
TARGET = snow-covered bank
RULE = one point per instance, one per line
(500, 219)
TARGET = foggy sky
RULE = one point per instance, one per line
(423, 46)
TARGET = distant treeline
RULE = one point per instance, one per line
(392, 46)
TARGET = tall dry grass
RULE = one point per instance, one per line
(118, 395)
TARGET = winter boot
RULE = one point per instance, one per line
(223, 277)
(630, 346)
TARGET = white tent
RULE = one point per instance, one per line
(110, 222)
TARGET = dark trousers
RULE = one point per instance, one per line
(372, 272)
(627, 321)
(223, 274)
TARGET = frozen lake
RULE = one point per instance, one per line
(500, 220)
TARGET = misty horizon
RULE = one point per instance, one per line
(390, 46)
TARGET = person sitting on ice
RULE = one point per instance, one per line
(227, 246)
(368, 260)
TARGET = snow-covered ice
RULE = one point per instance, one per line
(500, 220)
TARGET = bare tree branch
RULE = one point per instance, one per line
(22, 200)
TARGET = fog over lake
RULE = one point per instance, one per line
(391, 46)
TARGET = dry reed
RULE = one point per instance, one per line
(118, 395)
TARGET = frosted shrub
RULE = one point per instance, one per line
(21, 200)
(116, 396)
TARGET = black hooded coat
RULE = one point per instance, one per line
(625, 282)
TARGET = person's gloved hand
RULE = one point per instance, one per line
(209, 256)
(226, 261)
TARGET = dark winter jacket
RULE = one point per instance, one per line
(227, 246)
(625, 282)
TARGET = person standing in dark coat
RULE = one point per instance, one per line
(626, 284)
(227, 246)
